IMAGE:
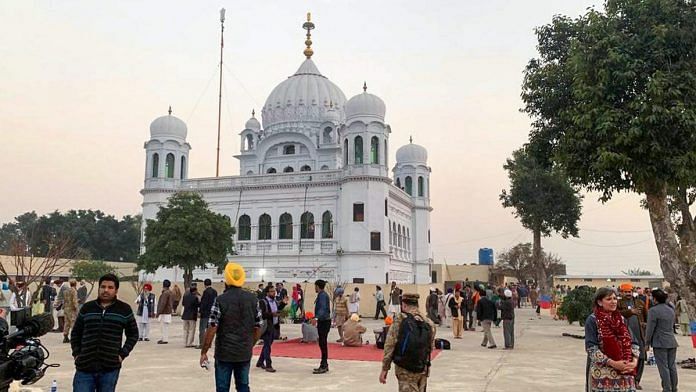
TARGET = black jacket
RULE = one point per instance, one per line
(207, 300)
(507, 309)
(190, 303)
(485, 310)
(266, 313)
(454, 308)
(97, 336)
(239, 316)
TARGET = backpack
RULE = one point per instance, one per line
(412, 351)
(442, 344)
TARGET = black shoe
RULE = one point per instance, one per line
(321, 370)
(161, 342)
(483, 345)
(66, 339)
(146, 339)
(260, 365)
(140, 339)
(492, 347)
(270, 369)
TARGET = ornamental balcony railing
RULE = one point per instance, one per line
(202, 184)
(286, 247)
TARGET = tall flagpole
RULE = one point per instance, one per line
(222, 45)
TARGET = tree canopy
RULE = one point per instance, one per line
(91, 271)
(613, 101)
(186, 234)
(94, 233)
(518, 262)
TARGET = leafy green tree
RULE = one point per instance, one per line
(543, 200)
(186, 234)
(91, 271)
(519, 262)
(577, 305)
(637, 272)
(613, 100)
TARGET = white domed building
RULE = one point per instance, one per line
(315, 197)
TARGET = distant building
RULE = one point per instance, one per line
(609, 280)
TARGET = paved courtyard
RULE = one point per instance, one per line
(543, 360)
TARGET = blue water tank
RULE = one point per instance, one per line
(486, 256)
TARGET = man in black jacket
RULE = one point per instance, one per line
(189, 313)
(207, 300)
(96, 339)
(486, 313)
(270, 308)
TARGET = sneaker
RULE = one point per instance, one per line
(493, 347)
(483, 345)
(260, 365)
(321, 370)
(140, 339)
(270, 370)
(146, 339)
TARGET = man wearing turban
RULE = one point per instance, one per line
(235, 323)
(633, 310)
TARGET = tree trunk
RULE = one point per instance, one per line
(539, 263)
(188, 277)
(675, 270)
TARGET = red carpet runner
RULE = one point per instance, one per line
(295, 349)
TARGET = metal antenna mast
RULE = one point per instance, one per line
(222, 45)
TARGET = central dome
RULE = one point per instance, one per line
(303, 97)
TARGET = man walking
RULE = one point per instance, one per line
(409, 343)
(394, 300)
(468, 305)
(165, 308)
(379, 299)
(659, 335)
(322, 313)
(431, 306)
(81, 294)
(486, 313)
(69, 310)
(235, 322)
(189, 313)
(269, 312)
(47, 295)
(507, 313)
(207, 300)
(96, 339)
(177, 298)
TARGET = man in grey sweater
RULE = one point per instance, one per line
(660, 335)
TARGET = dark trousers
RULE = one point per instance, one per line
(380, 309)
(665, 361)
(640, 367)
(202, 327)
(97, 381)
(509, 333)
(323, 328)
(223, 376)
(265, 357)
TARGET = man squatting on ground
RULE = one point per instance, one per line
(410, 351)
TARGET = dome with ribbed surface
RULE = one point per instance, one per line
(303, 97)
(253, 124)
(365, 105)
(168, 127)
(412, 153)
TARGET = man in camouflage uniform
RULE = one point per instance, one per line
(408, 381)
(70, 305)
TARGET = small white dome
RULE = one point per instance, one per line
(412, 153)
(168, 127)
(332, 115)
(365, 105)
(253, 124)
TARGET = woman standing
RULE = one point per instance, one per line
(612, 354)
(455, 305)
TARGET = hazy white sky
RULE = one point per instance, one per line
(82, 80)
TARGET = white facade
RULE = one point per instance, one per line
(314, 198)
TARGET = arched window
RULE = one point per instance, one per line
(288, 169)
(399, 235)
(305, 168)
(386, 155)
(289, 150)
(374, 150)
(390, 233)
(183, 167)
(244, 228)
(324, 167)
(307, 225)
(265, 227)
(345, 152)
(250, 173)
(394, 234)
(358, 146)
(248, 142)
(271, 170)
(327, 225)
(327, 135)
(398, 183)
(409, 185)
(169, 165)
(285, 227)
(155, 165)
(421, 186)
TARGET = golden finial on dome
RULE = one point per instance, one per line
(309, 26)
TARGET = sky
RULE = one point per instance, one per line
(81, 82)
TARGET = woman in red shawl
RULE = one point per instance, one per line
(612, 353)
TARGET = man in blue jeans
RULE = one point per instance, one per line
(96, 339)
(234, 322)
(322, 313)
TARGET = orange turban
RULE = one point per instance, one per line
(626, 287)
(388, 320)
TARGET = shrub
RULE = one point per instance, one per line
(577, 305)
